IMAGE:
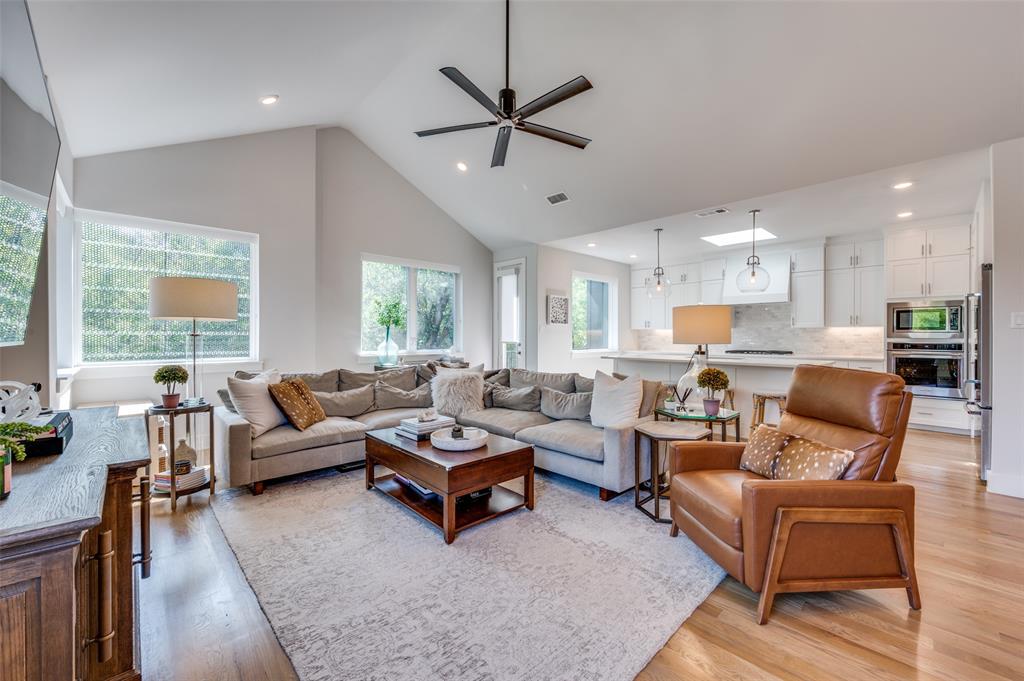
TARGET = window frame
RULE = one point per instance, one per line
(39, 202)
(134, 222)
(613, 312)
(412, 322)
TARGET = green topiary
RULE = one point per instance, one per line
(11, 435)
(170, 375)
(390, 313)
(712, 380)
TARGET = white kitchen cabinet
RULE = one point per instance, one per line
(639, 277)
(808, 259)
(711, 292)
(687, 273)
(646, 312)
(840, 256)
(869, 253)
(953, 240)
(712, 270)
(808, 299)
(929, 412)
(906, 244)
(907, 278)
(948, 275)
(869, 285)
(840, 294)
(683, 294)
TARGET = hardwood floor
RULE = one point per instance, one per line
(201, 622)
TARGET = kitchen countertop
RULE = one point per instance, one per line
(770, 361)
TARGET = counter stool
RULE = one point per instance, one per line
(657, 432)
(759, 401)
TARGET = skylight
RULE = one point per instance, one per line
(740, 237)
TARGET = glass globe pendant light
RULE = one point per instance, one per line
(658, 285)
(753, 278)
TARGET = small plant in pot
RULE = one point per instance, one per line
(12, 437)
(712, 380)
(170, 376)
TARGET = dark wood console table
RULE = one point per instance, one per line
(68, 608)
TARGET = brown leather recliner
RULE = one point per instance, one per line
(780, 536)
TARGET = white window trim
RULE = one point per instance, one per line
(141, 367)
(411, 321)
(613, 313)
(40, 202)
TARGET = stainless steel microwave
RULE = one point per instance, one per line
(926, 319)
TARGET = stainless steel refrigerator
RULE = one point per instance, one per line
(979, 401)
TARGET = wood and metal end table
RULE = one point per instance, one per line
(724, 418)
(657, 432)
(189, 413)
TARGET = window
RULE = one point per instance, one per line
(116, 262)
(22, 225)
(433, 321)
(592, 313)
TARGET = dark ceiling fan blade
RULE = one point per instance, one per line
(454, 128)
(501, 146)
(559, 94)
(455, 76)
(552, 134)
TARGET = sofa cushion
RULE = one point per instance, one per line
(654, 393)
(498, 376)
(521, 378)
(252, 399)
(326, 381)
(615, 401)
(577, 438)
(505, 422)
(386, 418)
(388, 397)
(583, 384)
(715, 499)
(522, 399)
(283, 439)
(403, 378)
(346, 402)
(559, 405)
(296, 400)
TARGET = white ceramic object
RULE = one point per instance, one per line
(474, 438)
(18, 402)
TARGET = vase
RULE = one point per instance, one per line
(5, 473)
(711, 407)
(387, 352)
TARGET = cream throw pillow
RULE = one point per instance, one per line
(456, 392)
(615, 401)
(252, 399)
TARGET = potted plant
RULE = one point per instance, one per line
(390, 313)
(12, 436)
(712, 380)
(170, 376)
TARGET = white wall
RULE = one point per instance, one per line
(1007, 473)
(554, 341)
(264, 184)
(365, 206)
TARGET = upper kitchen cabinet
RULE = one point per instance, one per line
(711, 292)
(808, 299)
(869, 253)
(928, 262)
(712, 270)
(906, 245)
(808, 259)
(955, 240)
(689, 273)
(683, 294)
(646, 312)
(639, 277)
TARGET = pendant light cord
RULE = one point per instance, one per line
(506, 44)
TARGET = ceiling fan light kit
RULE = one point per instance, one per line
(506, 116)
(753, 278)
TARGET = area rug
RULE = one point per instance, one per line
(357, 587)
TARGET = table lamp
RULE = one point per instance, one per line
(699, 325)
(198, 300)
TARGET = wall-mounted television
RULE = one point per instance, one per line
(29, 144)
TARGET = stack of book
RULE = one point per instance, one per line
(199, 476)
(414, 429)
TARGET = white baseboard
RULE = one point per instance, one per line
(1011, 485)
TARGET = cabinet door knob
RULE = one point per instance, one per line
(922, 249)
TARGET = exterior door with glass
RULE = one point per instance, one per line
(510, 314)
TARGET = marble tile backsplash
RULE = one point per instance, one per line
(768, 327)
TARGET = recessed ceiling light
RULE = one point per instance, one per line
(462, 166)
(267, 100)
(633, 256)
(591, 245)
(903, 185)
(740, 237)
(904, 214)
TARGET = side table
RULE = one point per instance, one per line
(657, 432)
(724, 417)
(188, 412)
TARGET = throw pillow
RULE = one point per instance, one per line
(225, 398)
(655, 392)
(403, 378)
(442, 369)
(425, 373)
(521, 378)
(615, 401)
(803, 459)
(762, 450)
(346, 402)
(456, 392)
(498, 376)
(326, 381)
(253, 401)
(388, 397)
(583, 384)
(561, 406)
(520, 399)
(296, 400)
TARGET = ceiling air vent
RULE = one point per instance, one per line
(555, 199)
(712, 211)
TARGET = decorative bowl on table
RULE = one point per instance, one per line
(472, 438)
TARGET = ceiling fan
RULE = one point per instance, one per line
(506, 116)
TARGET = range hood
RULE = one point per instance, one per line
(777, 265)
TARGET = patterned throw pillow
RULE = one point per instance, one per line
(762, 450)
(297, 402)
(803, 459)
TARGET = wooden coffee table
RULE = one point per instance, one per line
(451, 475)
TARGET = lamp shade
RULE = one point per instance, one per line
(702, 324)
(192, 298)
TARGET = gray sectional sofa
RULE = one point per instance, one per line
(603, 457)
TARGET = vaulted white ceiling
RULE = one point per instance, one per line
(694, 104)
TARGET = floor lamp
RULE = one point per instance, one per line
(195, 300)
(699, 325)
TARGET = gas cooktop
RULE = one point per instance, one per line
(759, 352)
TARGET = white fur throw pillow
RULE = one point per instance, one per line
(252, 399)
(458, 392)
(615, 401)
